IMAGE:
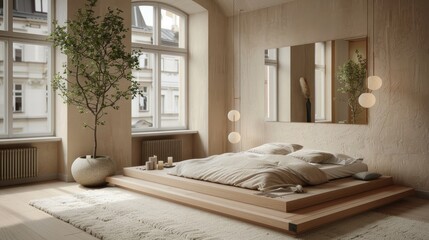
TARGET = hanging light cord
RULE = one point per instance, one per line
(373, 37)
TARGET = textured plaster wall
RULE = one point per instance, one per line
(208, 79)
(396, 140)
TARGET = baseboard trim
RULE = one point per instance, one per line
(47, 177)
(65, 177)
(422, 194)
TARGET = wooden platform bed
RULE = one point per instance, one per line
(293, 213)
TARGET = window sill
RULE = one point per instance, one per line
(29, 140)
(162, 133)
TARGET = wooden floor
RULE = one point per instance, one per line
(19, 221)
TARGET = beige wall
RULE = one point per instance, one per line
(198, 81)
(208, 79)
(396, 140)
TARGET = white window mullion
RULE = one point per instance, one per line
(50, 92)
(156, 27)
(158, 91)
(8, 14)
(9, 88)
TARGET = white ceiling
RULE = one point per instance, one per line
(188, 6)
(247, 5)
(227, 6)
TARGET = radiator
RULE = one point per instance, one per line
(18, 163)
(162, 149)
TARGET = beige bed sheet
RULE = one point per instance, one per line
(252, 171)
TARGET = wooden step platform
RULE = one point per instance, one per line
(314, 195)
(292, 222)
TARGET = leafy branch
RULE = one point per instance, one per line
(351, 76)
(97, 64)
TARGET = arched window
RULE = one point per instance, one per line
(159, 33)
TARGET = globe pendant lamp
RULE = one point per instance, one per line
(234, 115)
(367, 100)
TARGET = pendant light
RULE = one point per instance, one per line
(234, 115)
(374, 82)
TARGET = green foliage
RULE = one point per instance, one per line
(97, 63)
(351, 76)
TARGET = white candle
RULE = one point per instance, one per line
(160, 165)
(170, 161)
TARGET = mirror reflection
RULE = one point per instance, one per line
(317, 82)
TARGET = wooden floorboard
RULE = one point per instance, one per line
(19, 220)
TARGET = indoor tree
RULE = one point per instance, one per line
(351, 76)
(97, 64)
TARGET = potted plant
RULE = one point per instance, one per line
(97, 65)
(351, 76)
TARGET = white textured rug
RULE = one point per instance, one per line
(114, 213)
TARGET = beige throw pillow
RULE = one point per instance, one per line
(312, 156)
(276, 148)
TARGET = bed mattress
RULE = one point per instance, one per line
(334, 171)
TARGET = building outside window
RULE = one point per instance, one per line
(159, 33)
(270, 83)
(143, 103)
(41, 6)
(17, 98)
(25, 69)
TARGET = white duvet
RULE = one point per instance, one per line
(253, 171)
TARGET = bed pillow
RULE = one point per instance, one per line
(312, 156)
(342, 159)
(275, 148)
(366, 176)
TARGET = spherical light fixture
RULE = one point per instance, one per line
(367, 100)
(374, 82)
(234, 137)
(234, 115)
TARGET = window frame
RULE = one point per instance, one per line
(158, 50)
(271, 85)
(41, 6)
(9, 37)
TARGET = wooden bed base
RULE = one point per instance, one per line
(293, 213)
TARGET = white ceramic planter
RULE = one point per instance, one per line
(92, 172)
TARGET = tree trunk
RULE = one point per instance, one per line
(94, 152)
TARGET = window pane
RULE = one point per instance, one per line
(270, 100)
(2, 89)
(172, 90)
(2, 25)
(172, 29)
(143, 106)
(142, 24)
(31, 111)
(31, 16)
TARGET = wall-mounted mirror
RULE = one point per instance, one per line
(316, 82)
